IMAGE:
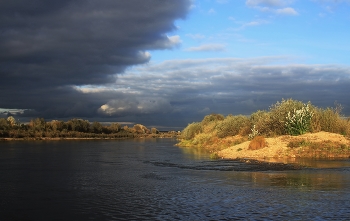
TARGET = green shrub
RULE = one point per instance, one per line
(209, 128)
(279, 113)
(330, 120)
(299, 120)
(201, 138)
(191, 130)
(212, 117)
(347, 127)
(261, 120)
(232, 125)
(315, 124)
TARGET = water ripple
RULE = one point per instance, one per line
(229, 165)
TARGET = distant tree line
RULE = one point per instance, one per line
(74, 128)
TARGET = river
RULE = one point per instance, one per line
(151, 179)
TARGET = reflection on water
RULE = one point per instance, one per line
(151, 179)
(318, 174)
(314, 163)
(303, 180)
(195, 153)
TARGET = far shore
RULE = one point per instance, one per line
(160, 135)
(57, 138)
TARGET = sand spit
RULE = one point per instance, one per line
(278, 147)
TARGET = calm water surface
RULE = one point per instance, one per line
(154, 180)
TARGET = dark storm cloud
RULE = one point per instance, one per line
(48, 46)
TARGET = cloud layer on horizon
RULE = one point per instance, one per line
(197, 87)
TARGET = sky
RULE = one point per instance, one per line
(165, 63)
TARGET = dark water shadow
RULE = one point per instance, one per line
(229, 165)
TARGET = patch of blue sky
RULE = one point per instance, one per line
(317, 33)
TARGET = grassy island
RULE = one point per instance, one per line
(289, 129)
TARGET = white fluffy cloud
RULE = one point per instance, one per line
(273, 6)
(287, 11)
(225, 85)
(135, 105)
(174, 40)
(207, 47)
(270, 3)
(196, 36)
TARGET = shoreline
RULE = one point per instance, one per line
(8, 139)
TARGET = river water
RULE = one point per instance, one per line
(151, 179)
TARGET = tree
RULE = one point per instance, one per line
(139, 128)
(56, 125)
(3, 124)
(97, 127)
(78, 125)
(11, 121)
(38, 124)
(115, 127)
(154, 130)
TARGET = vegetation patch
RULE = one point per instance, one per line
(286, 119)
(39, 129)
(299, 120)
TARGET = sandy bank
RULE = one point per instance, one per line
(278, 147)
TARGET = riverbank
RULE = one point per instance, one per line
(310, 145)
(101, 137)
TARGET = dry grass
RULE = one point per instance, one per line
(257, 143)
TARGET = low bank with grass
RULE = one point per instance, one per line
(288, 129)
